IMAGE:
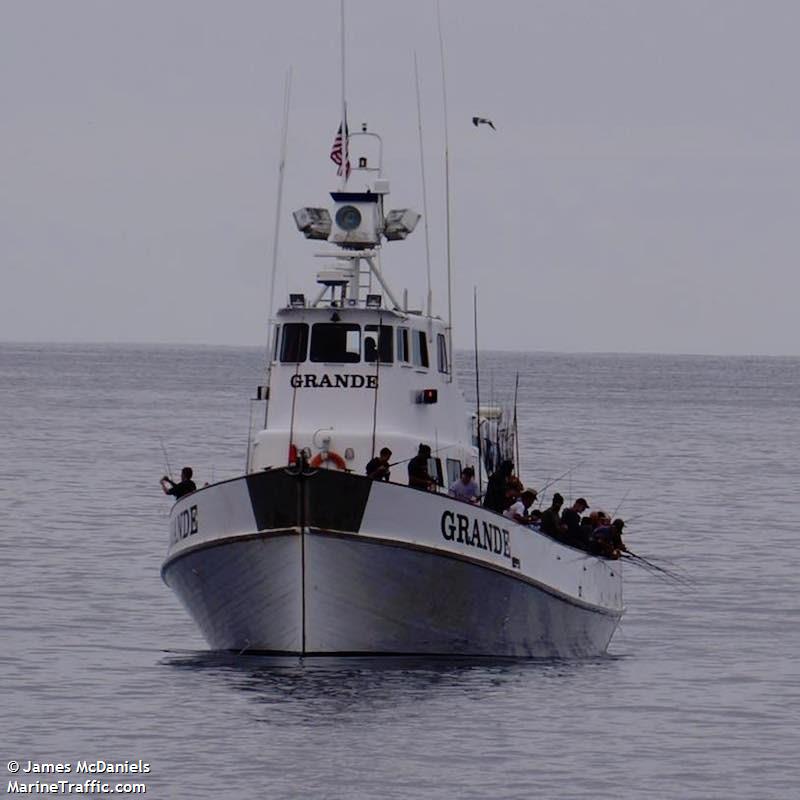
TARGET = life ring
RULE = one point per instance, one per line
(329, 456)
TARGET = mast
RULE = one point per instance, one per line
(447, 194)
(424, 192)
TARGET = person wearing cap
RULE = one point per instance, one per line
(571, 518)
(519, 511)
(418, 475)
(551, 524)
(178, 490)
(465, 488)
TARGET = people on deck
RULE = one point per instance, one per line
(418, 475)
(503, 488)
(465, 488)
(378, 467)
(551, 523)
(599, 518)
(184, 487)
(607, 539)
(519, 511)
(571, 519)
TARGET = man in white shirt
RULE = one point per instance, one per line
(519, 510)
(465, 487)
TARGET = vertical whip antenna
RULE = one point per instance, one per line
(424, 190)
(446, 192)
(345, 137)
(287, 92)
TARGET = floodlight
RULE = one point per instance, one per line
(297, 300)
(399, 223)
(313, 223)
(374, 301)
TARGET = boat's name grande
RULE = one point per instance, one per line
(337, 381)
(473, 532)
(183, 524)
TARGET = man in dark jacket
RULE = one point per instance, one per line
(178, 490)
(378, 468)
(551, 524)
(571, 517)
(418, 475)
(495, 498)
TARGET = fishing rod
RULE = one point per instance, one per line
(516, 429)
(656, 568)
(166, 458)
(624, 498)
(433, 452)
(636, 563)
(477, 388)
(555, 480)
(378, 354)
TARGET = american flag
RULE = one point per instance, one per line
(336, 152)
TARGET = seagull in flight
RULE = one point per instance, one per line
(483, 121)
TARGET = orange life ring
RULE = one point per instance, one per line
(329, 456)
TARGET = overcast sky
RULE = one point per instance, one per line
(641, 192)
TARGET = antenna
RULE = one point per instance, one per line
(345, 138)
(287, 94)
(287, 91)
(447, 194)
(424, 191)
(477, 391)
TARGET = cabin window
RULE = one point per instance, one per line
(378, 338)
(294, 344)
(420, 349)
(453, 470)
(336, 342)
(435, 470)
(441, 352)
(276, 342)
(402, 346)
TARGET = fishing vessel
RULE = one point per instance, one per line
(306, 555)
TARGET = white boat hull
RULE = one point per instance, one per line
(386, 578)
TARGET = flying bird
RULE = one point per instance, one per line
(483, 121)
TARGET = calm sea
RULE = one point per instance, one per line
(699, 696)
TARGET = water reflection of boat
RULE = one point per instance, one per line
(304, 554)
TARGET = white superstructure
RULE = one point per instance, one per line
(352, 369)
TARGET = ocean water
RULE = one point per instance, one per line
(698, 697)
